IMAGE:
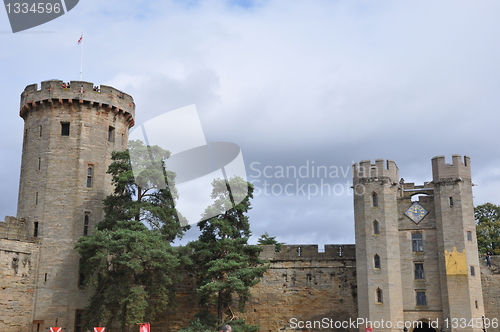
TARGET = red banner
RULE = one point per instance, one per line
(99, 329)
(55, 329)
(145, 327)
(369, 329)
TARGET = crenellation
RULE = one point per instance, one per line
(77, 92)
(459, 169)
(381, 169)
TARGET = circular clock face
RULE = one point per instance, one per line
(416, 212)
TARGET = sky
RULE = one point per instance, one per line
(302, 85)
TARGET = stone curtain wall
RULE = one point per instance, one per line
(490, 281)
(310, 288)
(301, 285)
(18, 264)
(13, 229)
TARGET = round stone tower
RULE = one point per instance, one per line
(70, 131)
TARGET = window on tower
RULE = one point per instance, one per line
(416, 242)
(375, 199)
(111, 134)
(380, 299)
(64, 128)
(421, 298)
(376, 261)
(90, 173)
(419, 271)
(376, 229)
(86, 225)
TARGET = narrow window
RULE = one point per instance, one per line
(416, 241)
(376, 261)
(472, 271)
(46, 276)
(309, 277)
(35, 229)
(39, 164)
(81, 276)
(79, 321)
(40, 131)
(419, 271)
(421, 298)
(376, 229)
(64, 128)
(111, 134)
(299, 251)
(477, 306)
(86, 225)
(36, 198)
(469, 236)
(340, 252)
(379, 296)
(90, 172)
(451, 201)
(375, 199)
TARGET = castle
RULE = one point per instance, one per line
(415, 258)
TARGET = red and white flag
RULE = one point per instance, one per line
(99, 329)
(55, 329)
(80, 40)
(145, 327)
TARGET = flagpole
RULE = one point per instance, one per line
(81, 59)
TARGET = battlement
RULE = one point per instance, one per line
(309, 252)
(458, 169)
(14, 229)
(381, 169)
(77, 92)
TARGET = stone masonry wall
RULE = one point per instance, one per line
(490, 281)
(18, 261)
(301, 287)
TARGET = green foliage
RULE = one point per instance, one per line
(265, 239)
(208, 323)
(132, 267)
(147, 197)
(225, 265)
(488, 227)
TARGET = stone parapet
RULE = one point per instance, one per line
(77, 92)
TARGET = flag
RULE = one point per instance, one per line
(369, 329)
(55, 329)
(99, 329)
(145, 327)
(80, 40)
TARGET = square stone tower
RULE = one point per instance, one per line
(70, 130)
(417, 260)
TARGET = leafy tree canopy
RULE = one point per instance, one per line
(128, 260)
(225, 265)
(265, 239)
(488, 227)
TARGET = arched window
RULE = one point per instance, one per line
(90, 173)
(376, 229)
(374, 199)
(376, 261)
(380, 298)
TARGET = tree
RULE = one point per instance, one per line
(488, 227)
(225, 265)
(265, 239)
(128, 260)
